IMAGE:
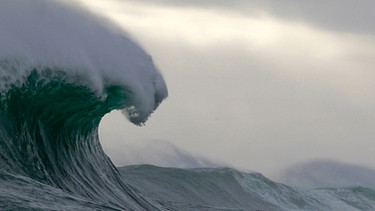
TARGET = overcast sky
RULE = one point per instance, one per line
(257, 85)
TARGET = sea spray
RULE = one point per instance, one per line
(61, 70)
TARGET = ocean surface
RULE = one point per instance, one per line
(61, 70)
(230, 189)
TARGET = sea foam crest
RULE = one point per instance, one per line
(62, 35)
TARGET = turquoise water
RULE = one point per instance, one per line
(49, 145)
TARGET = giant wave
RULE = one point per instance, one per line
(61, 70)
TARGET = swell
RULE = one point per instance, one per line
(49, 133)
(230, 189)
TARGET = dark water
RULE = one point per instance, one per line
(50, 154)
(62, 68)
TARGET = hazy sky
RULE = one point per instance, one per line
(258, 85)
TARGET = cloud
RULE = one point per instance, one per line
(194, 3)
(338, 15)
(324, 173)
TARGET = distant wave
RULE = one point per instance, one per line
(326, 173)
(213, 189)
(61, 70)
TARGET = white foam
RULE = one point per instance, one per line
(63, 34)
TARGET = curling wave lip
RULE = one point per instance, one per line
(61, 70)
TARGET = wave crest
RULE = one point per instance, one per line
(79, 43)
(58, 77)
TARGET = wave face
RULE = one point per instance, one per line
(61, 70)
(228, 189)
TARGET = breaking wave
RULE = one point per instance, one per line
(61, 70)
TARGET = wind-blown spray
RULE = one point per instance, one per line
(61, 70)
